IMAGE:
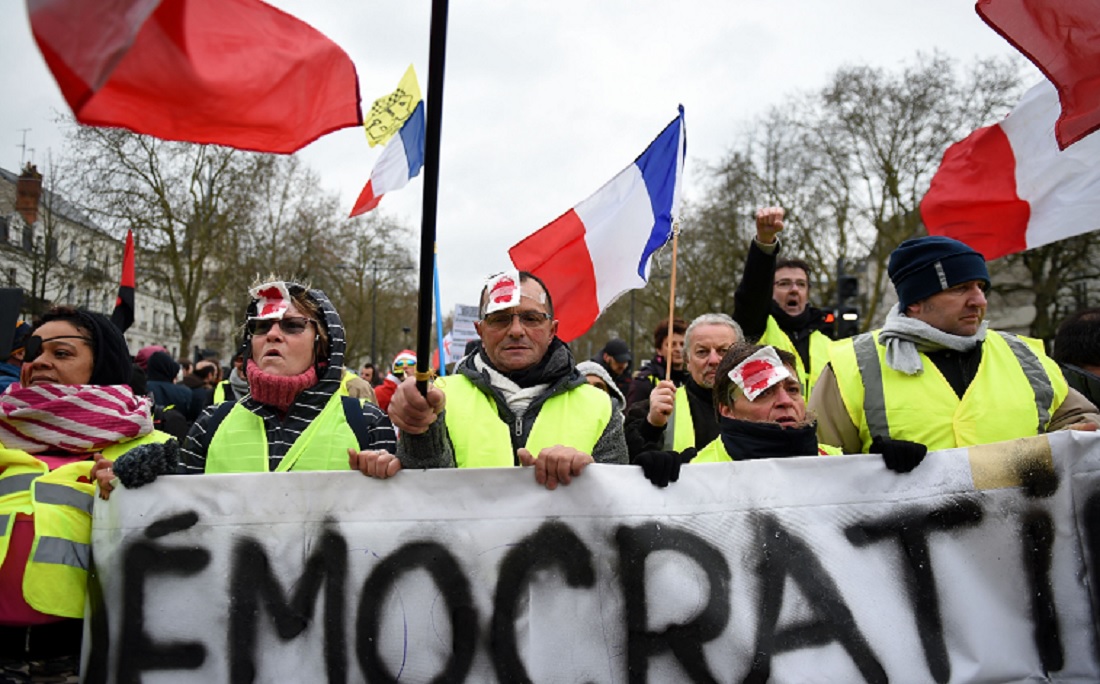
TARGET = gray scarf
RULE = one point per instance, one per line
(238, 382)
(905, 338)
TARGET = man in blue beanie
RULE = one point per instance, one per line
(934, 376)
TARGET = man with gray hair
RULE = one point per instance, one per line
(676, 419)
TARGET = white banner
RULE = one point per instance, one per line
(977, 566)
(462, 329)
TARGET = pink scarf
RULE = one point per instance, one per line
(74, 419)
(278, 391)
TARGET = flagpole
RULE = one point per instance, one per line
(439, 318)
(437, 52)
(672, 295)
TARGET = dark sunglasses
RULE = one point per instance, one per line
(291, 325)
(33, 348)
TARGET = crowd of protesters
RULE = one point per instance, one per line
(79, 414)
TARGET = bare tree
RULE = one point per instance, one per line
(851, 162)
(186, 204)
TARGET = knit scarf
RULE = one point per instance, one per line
(75, 419)
(278, 391)
(905, 338)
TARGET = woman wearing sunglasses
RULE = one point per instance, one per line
(295, 416)
(71, 413)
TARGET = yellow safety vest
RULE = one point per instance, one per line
(56, 576)
(219, 392)
(715, 452)
(1015, 392)
(575, 418)
(680, 429)
(240, 443)
(819, 352)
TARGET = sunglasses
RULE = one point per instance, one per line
(409, 363)
(291, 325)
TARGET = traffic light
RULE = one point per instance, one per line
(847, 307)
(847, 322)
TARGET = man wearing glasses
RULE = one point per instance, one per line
(785, 320)
(518, 401)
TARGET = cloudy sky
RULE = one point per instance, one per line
(545, 102)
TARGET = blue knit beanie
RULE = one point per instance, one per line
(921, 267)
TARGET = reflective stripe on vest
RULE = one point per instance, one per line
(576, 418)
(1013, 394)
(61, 552)
(680, 429)
(60, 495)
(17, 483)
(240, 443)
(715, 452)
(819, 352)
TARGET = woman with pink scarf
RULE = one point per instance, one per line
(70, 414)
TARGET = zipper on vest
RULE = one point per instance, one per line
(519, 426)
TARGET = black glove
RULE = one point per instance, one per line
(662, 467)
(899, 455)
(141, 465)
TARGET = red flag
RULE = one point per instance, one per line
(228, 72)
(1062, 38)
(123, 315)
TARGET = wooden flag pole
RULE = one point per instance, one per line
(672, 295)
(437, 53)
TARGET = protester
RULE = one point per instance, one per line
(934, 374)
(1077, 351)
(142, 357)
(786, 320)
(518, 401)
(597, 376)
(11, 367)
(761, 414)
(160, 371)
(367, 373)
(235, 386)
(404, 361)
(677, 418)
(665, 345)
(615, 357)
(71, 405)
(208, 373)
(294, 417)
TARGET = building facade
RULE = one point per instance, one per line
(58, 255)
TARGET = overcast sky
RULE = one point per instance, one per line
(545, 102)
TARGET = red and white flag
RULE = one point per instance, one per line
(1062, 38)
(1008, 187)
(239, 73)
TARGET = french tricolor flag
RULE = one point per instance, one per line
(1008, 187)
(399, 163)
(601, 248)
